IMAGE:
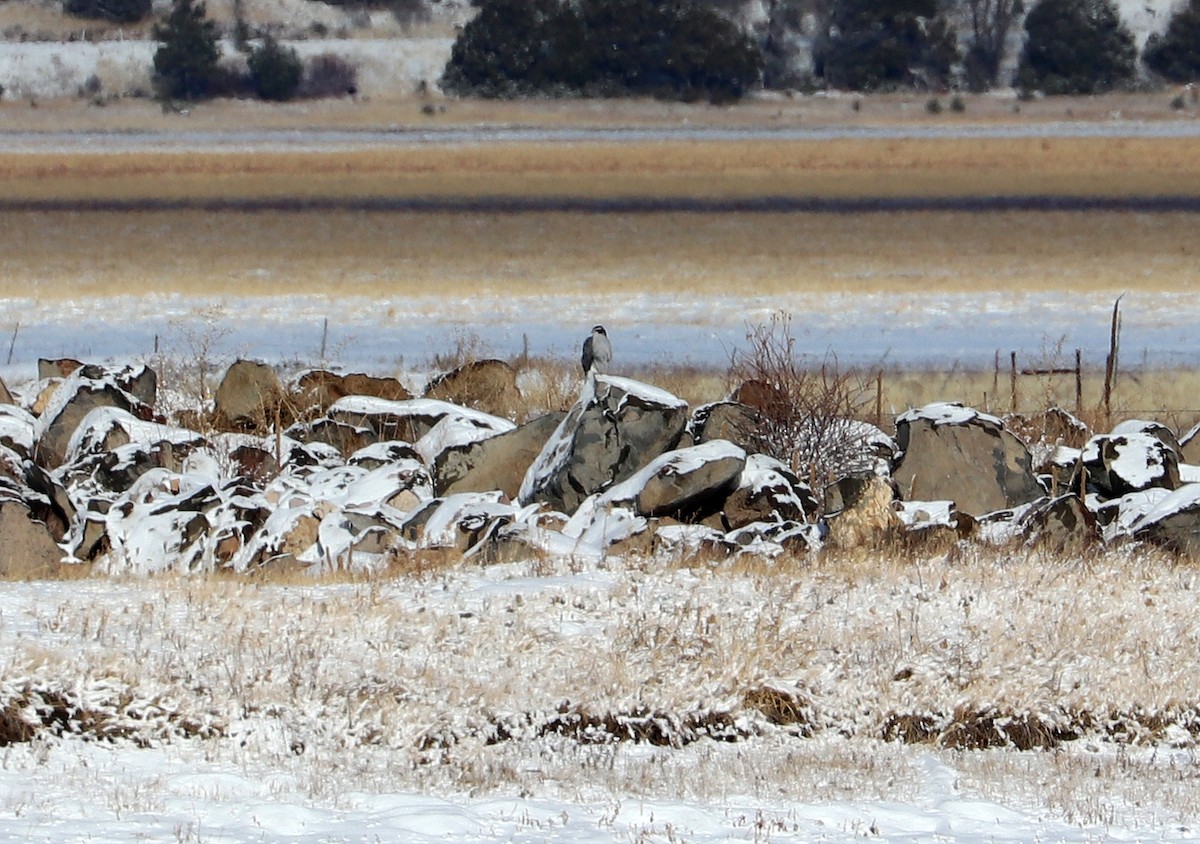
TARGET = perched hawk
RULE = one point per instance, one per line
(597, 351)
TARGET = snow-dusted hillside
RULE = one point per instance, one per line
(45, 70)
(390, 60)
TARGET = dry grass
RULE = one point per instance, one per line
(714, 169)
(1167, 395)
(52, 255)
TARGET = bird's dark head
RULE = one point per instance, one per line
(599, 329)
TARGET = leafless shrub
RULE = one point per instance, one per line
(328, 75)
(807, 407)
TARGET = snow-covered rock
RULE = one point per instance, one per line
(494, 463)
(1173, 521)
(87, 388)
(411, 420)
(1117, 464)
(17, 427)
(767, 490)
(617, 427)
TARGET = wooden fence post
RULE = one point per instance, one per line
(1013, 380)
(1110, 363)
(879, 399)
(1079, 382)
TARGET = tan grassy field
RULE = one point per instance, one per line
(339, 252)
(706, 170)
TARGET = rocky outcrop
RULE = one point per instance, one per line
(617, 427)
(98, 478)
(5, 396)
(955, 453)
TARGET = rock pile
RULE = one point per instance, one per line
(334, 471)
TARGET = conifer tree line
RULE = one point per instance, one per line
(705, 49)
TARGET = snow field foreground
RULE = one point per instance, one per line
(610, 701)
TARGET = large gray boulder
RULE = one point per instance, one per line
(681, 480)
(497, 463)
(618, 426)
(725, 420)
(951, 452)
(248, 397)
(26, 547)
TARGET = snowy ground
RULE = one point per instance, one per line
(373, 711)
(384, 336)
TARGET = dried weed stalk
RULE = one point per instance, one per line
(807, 408)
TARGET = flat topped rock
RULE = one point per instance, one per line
(411, 420)
(955, 453)
(947, 413)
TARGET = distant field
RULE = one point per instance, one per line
(717, 170)
(339, 252)
(50, 241)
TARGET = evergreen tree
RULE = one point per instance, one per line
(275, 70)
(665, 48)
(514, 48)
(117, 11)
(1075, 47)
(886, 44)
(185, 64)
(1176, 53)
